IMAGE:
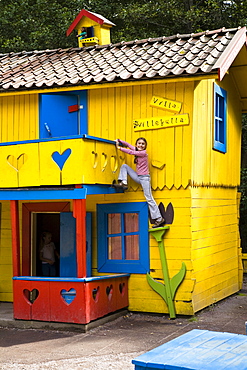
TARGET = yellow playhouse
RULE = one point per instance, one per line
(61, 111)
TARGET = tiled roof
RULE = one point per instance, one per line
(180, 55)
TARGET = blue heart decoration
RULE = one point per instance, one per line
(68, 295)
(60, 159)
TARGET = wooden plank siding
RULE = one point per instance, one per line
(210, 167)
(177, 243)
(18, 118)
(6, 270)
(116, 108)
(215, 245)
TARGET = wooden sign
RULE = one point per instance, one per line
(166, 104)
(161, 122)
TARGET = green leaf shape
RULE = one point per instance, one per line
(157, 287)
(177, 279)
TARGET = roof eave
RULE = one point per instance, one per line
(230, 53)
(82, 13)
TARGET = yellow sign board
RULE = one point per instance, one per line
(161, 122)
(167, 104)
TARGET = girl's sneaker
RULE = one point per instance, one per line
(158, 223)
(121, 185)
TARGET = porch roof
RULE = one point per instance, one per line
(55, 193)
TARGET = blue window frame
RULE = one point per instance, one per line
(63, 114)
(220, 125)
(123, 242)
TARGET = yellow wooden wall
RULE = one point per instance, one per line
(210, 252)
(210, 167)
(177, 245)
(215, 245)
(19, 118)
(6, 271)
(117, 107)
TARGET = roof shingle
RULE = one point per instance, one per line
(134, 60)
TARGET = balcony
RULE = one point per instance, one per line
(56, 162)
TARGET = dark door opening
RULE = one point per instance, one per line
(44, 222)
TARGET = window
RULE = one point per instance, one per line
(220, 105)
(63, 114)
(123, 243)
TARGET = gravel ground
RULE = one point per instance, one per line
(115, 344)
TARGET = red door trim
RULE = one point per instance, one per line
(14, 209)
(79, 212)
(27, 209)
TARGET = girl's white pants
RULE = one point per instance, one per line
(144, 180)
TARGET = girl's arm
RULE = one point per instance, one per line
(126, 144)
(138, 153)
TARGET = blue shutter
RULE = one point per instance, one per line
(220, 125)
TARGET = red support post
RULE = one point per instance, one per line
(79, 212)
(15, 237)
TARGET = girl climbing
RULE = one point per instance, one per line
(141, 175)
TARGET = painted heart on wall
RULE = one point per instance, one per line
(60, 159)
(18, 162)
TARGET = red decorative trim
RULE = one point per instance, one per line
(27, 208)
(79, 212)
(15, 237)
(82, 13)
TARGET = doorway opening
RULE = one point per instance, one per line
(41, 222)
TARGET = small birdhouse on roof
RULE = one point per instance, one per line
(91, 29)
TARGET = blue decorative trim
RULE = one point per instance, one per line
(220, 118)
(68, 279)
(99, 139)
(84, 136)
(99, 189)
(53, 194)
(41, 194)
(107, 265)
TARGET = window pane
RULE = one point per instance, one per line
(132, 247)
(114, 223)
(131, 222)
(114, 248)
(219, 119)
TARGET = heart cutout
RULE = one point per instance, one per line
(31, 295)
(104, 161)
(68, 295)
(94, 158)
(18, 162)
(60, 159)
(109, 291)
(95, 294)
(122, 288)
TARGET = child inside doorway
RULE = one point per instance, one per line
(47, 254)
(141, 175)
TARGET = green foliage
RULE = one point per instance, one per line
(41, 24)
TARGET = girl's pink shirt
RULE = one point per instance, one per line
(142, 158)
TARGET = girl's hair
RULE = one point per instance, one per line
(43, 235)
(145, 141)
(142, 138)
